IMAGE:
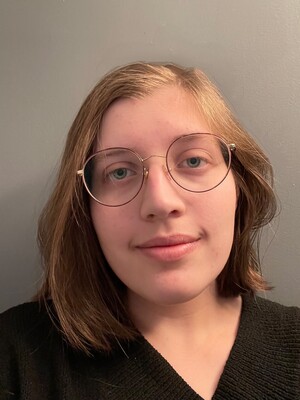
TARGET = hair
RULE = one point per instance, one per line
(87, 298)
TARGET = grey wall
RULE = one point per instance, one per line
(53, 52)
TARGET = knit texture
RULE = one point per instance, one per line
(36, 363)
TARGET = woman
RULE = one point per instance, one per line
(148, 242)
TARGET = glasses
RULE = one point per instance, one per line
(197, 162)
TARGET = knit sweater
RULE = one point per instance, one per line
(37, 364)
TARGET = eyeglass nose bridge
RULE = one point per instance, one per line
(146, 169)
(152, 155)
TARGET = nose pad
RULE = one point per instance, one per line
(165, 169)
(146, 173)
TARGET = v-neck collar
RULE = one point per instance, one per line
(162, 373)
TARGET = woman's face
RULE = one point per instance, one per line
(167, 245)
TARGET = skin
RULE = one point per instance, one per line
(172, 294)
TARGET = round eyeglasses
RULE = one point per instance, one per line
(197, 162)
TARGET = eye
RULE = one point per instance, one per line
(194, 162)
(120, 173)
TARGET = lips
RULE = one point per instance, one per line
(162, 241)
(169, 248)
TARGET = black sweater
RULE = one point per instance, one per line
(36, 364)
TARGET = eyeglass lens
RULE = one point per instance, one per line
(196, 162)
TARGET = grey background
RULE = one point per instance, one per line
(53, 52)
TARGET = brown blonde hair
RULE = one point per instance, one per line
(86, 297)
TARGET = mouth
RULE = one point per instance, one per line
(169, 248)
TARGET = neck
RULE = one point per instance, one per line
(197, 319)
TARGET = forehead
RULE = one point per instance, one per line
(152, 121)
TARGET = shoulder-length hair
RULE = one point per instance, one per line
(87, 298)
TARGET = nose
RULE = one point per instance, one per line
(161, 197)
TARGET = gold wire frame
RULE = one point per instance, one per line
(231, 149)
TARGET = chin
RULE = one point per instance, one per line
(175, 297)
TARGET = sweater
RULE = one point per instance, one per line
(37, 364)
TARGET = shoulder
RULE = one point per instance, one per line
(272, 321)
(25, 319)
(267, 349)
(29, 344)
(25, 328)
(272, 311)
(30, 309)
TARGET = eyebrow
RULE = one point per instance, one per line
(118, 151)
(140, 153)
(134, 148)
(114, 151)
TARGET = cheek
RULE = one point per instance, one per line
(222, 201)
(113, 227)
(220, 213)
(103, 224)
(110, 224)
